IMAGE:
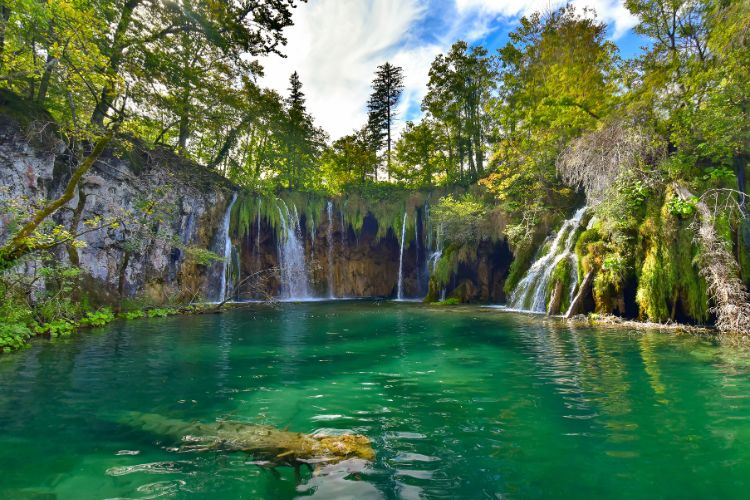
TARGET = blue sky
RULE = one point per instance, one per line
(336, 45)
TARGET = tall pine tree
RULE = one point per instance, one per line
(299, 126)
(386, 92)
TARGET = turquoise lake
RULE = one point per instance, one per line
(464, 402)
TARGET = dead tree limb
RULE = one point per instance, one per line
(731, 301)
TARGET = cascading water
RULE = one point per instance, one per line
(435, 255)
(531, 292)
(257, 236)
(329, 240)
(222, 293)
(291, 249)
(417, 252)
(400, 287)
(438, 252)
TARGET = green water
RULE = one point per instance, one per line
(459, 403)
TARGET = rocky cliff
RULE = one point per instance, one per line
(164, 208)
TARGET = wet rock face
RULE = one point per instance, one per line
(363, 266)
(481, 279)
(163, 204)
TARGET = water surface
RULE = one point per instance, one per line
(459, 403)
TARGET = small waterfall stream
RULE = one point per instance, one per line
(291, 249)
(329, 241)
(227, 251)
(435, 256)
(400, 287)
(531, 292)
(257, 236)
(417, 252)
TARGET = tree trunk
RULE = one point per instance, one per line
(22, 243)
(107, 96)
(721, 271)
(229, 142)
(184, 133)
(576, 306)
(388, 124)
(740, 171)
(4, 18)
(555, 300)
(49, 67)
(74, 223)
(41, 95)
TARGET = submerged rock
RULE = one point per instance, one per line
(267, 444)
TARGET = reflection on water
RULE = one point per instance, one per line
(465, 402)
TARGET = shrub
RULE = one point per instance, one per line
(14, 336)
(160, 312)
(138, 314)
(58, 328)
(98, 318)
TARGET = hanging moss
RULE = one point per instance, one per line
(669, 278)
(446, 267)
(655, 279)
(524, 255)
(387, 204)
(582, 249)
(561, 276)
(609, 282)
(691, 287)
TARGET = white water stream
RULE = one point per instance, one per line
(400, 287)
(227, 250)
(329, 240)
(291, 250)
(531, 292)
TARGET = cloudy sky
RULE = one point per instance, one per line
(336, 45)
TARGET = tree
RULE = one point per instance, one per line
(558, 79)
(350, 159)
(253, 28)
(420, 154)
(302, 141)
(457, 94)
(386, 92)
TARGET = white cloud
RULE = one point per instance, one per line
(612, 12)
(336, 46)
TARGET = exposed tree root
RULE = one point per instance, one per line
(721, 272)
(618, 322)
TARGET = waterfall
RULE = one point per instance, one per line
(417, 252)
(257, 237)
(400, 289)
(291, 249)
(329, 240)
(531, 292)
(227, 250)
(436, 255)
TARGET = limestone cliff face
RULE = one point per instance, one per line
(164, 207)
(362, 266)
